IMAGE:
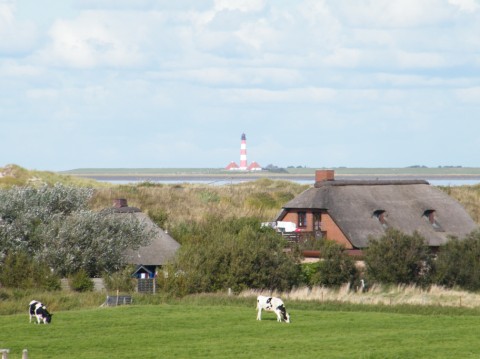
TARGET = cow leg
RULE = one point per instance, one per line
(279, 315)
(259, 314)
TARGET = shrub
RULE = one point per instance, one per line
(398, 258)
(121, 280)
(235, 253)
(80, 281)
(457, 263)
(335, 268)
(308, 270)
(19, 270)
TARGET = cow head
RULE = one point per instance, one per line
(47, 318)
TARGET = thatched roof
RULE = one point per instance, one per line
(353, 204)
(162, 247)
(161, 250)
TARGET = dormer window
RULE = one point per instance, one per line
(381, 216)
(431, 217)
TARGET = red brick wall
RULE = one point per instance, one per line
(328, 225)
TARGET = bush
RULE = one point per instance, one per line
(398, 258)
(308, 270)
(236, 254)
(81, 282)
(121, 280)
(335, 268)
(19, 270)
(457, 263)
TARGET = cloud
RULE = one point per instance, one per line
(466, 5)
(469, 95)
(242, 5)
(94, 40)
(16, 38)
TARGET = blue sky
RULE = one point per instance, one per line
(161, 83)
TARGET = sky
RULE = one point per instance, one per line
(315, 83)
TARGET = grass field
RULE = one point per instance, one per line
(190, 330)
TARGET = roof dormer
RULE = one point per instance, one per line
(430, 215)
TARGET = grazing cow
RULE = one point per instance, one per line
(40, 312)
(272, 304)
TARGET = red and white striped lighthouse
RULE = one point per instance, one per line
(243, 153)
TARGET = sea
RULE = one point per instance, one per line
(446, 182)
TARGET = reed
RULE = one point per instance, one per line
(380, 295)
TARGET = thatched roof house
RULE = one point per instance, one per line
(350, 211)
(162, 248)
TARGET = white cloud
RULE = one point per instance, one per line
(6, 13)
(15, 37)
(466, 5)
(242, 5)
(10, 68)
(301, 95)
(95, 39)
(469, 95)
(392, 13)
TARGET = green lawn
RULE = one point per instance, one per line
(201, 331)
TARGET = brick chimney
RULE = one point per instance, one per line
(120, 202)
(324, 175)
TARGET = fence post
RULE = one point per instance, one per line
(25, 354)
(5, 353)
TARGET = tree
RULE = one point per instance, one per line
(53, 226)
(458, 262)
(20, 271)
(335, 268)
(90, 241)
(398, 258)
(235, 253)
(24, 209)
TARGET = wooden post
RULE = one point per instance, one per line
(117, 298)
(5, 353)
(25, 354)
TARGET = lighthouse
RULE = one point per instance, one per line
(254, 166)
(243, 153)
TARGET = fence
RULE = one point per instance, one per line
(5, 353)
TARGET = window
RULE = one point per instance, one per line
(317, 221)
(302, 219)
(431, 216)
(381, 216)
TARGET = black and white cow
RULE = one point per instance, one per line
(39, 311)
(272, 304)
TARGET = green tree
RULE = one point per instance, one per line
(90, 241)
(19, 270)
(335, 267)
(458, 262)
(398, 258)
(53, 226)
(81, 281)
(235, 253)
(24, 209)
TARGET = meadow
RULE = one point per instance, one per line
(204, 329)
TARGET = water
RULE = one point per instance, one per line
(221, 182)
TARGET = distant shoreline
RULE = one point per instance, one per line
(274, 176)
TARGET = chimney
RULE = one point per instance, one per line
(324, 175)
(120, 202)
